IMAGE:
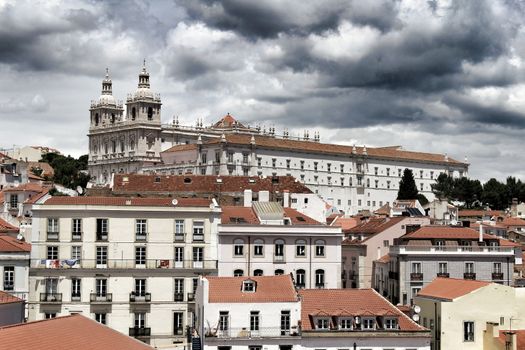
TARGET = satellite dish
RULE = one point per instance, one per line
(417, 309)
(80, 190)
(174, 202)
(415, 317)
(20, 237)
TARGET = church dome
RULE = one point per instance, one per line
(143, 92)
(107, 99)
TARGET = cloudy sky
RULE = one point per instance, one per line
(440, 76)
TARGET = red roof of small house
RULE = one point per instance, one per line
(450, 288)
(247, 215)
(509, 221)
(375, 225)
(446, 232)
(351, 302)
(268, 289)
(479, 213)
(66, 333)
(6, 298)
(10, 244)
(6, 227)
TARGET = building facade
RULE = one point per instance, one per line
(130, 263)
(14, 266)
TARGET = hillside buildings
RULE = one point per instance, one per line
(348, 177)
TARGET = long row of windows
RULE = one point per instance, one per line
(416, 267)
(278, 247)
(300, 276)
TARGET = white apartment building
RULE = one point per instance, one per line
(349, 177)
(130, 263)
(14, 266)
(248, 313)
(265, 239)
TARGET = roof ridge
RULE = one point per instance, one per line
(38, 321)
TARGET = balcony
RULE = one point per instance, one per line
(246, 333)
(102, 236)
(279, 259)
(75, 297)
(123, 264)
(443, 274)
(9, 286)
(416, 276)
(139, 297)
(179, 237)
(497, 276)
(319, 285)
(179, 297)
(76, 236)
(198, 237)
(50, 297)
(101, 298)
(191, 296)
(453, 250)
(52, 236)
(139, 331)
(141, 236)
(469, 275)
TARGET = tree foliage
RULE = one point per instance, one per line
(68, 170)
(407, 186)
(494, 194)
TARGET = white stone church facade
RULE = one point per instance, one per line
(347, 177)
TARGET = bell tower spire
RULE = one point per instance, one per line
(107, 84)
(144, 77)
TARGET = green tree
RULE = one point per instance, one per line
(68, 171)
(407, 186)
(444, 187)
(494, 194)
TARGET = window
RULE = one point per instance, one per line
(102, 255)
(329, 167)
(259, 162)
(100, 318)
(319, 247)
(279, 272)
(238, 273)
(102, 229)
(416, 267)
(140, 229)
(254, 320)
(238, 247)
(386, 243)
(421, 186)
(230, 157)
(9, 278)
(101, 287)
(315, 166)
(224, 319)
(140, 319)
(497, 267)
(345, 323)
(140, 287)
(140, 255)
(285, 322)
(319, 278)
(302, 164)
(52, 228)
(368, 323)
(258, 272)
(13, 201)
(217, 157)
(468, 331)
(442, 268)
(376, 170)
(279, 249)
(198, 257)
(367, 182)
(178, 323)
(248, 286)
(469, 267)
(198, 231)
(387, 171)
(50, 315)
(390, 323)
(274, 162)
(388, 184)
(75, 289)
(300, 248)
(342, 168)
(399, 172)
(376, 183)
(179, 230)
(322, 323)
(150, 113)
(179, 254)
(300, 280)
(179, 289)
(288, 164)
(52, 252)
(258, 247)
(76, 230)
(204, 158)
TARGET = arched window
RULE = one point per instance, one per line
(95, 148)
(319, 247)
(114, 146)
(122, 146)
(132, 145)
(258, 247)
(258, 272)
(96, 119)
(279, 272)
(300, 247)
(150, 113)
(279, 250)
(238, 273)
(133, 113)
(112, 118)
(300, 278)
(238, 247)
(319, 278)
(106, 147)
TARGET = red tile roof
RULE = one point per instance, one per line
(131, 201)
(141, 183)
(384, 259)
(181, 148)
(450, 288)
(10, 244)
(506, 243)
(325, 148)
(375, 225)
(479, 213)
(269, 289)
(446, 232)
(351, 302)
(346, 223)
(6, 298)
(298, 218)
(228, 121)
(7, 227)
(27, 187)
(509, 221)
(238, 215)
(66, 333)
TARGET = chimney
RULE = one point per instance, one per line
(378, 253)
(511, 340)
(248, 198)
(286, 198)
(264, 196)
(481, 232)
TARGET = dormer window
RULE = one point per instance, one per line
(248, 286)
(322, 323)
(391, 323)
(345, 323)
(368, 323)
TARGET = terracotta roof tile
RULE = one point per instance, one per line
(356, 302)
(228, 121)
(269, 289)
(66, 333)
(479, 213)
(181, 148)
(27, 187)
(298, 218)
(444, 232)
(385, 259)
(238, 215)
(450, 288)
(131, 201)
(6, 227)
(325, 148)
(509, 221)
(6, 298)
(10, 244)
(141, 183)
(375, 225)
(346, 223)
